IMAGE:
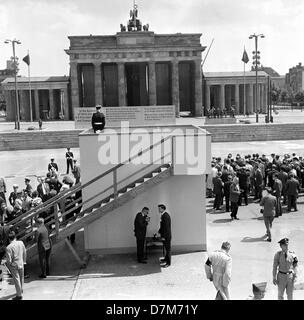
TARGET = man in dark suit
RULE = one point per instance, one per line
(44, 245)
(292, 191)
(98, 119)
(140, 229)
(43, 190)
(165, 233)
(217, 190)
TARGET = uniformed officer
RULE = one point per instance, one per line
(218, 269)
(98, 119)
(284, 270)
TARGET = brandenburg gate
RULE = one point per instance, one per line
(137, 67)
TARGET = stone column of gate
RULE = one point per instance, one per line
(152, 84)
(10, 108)
(65, 103)
(121, 84)
(37, 109)
(51, 103)
(250, 100)
(98, 84)
(262, 97)
(22, 105)
(175, 86)
(222, 97)
(237, 99)
(198, 88)
(74, 87)
(207, 96)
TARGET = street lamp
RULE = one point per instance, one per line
(17, 117)
(256, 57)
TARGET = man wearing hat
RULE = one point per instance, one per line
(28, 188)
(13, 195)
(218, 269)
(53, 164)
(284, 270)
(98, 119)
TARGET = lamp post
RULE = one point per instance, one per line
(256, 57)
(17, 117)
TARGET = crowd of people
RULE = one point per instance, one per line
(23, 199)
(271, 182)
(234, 179)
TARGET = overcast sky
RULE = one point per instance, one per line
(44, 25)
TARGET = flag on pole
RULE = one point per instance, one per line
(26, 59)
(245, 58)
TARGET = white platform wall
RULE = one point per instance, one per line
(185, 201)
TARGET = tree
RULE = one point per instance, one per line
(299, 97)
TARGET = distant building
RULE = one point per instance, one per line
(295, 79)
(223, 90)
(136, 67)
(50, 98)
(5, 73)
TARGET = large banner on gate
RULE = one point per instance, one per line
(135, 116)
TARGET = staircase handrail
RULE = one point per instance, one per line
(63, 194)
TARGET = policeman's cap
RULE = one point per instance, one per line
(284, 241)
(98, 107)
(259, 287)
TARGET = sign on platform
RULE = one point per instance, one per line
(136, 116)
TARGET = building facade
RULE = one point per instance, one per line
(137, 68)
(295, 79)
(224, 90)
(49, 98)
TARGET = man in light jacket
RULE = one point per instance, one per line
(218, 269)
(15, 261)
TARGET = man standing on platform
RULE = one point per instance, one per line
(165, 233)
(140, 229)
(98, 120)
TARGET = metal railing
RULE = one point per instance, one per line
(64, 208)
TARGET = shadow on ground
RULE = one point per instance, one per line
(249, 239)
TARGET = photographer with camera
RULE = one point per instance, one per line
(140, 229)
(268, 203)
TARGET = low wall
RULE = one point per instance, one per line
(26, 140)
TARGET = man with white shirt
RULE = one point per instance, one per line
(218, 270)
(15, 260)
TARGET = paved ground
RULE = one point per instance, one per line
(120, 277)
(283, 116)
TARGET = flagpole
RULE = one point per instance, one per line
(244, 89)
(30, 92)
